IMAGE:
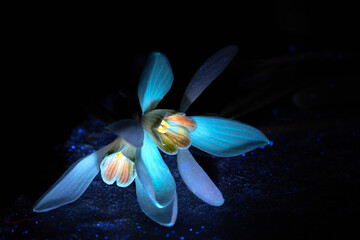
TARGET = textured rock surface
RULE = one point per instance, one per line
(301, 184)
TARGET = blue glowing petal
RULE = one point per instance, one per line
(207, 73)
(197, 180)
(165, 216)
(224, 137)
(73, 183)
(155, 81)
(154, 174)
(128, 129)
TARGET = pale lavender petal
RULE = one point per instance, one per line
(165, 216)
(197, 180)
(128, 129)
(207, 73)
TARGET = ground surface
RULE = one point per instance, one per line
(301, 185)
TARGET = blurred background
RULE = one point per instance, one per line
(296, 71)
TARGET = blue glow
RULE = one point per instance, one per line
(154, 174)
(165, 216)
(224, 137)
(155, 185)
(73, 183)
(155, 81)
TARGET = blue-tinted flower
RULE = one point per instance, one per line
(135, 154)
(116, 162)
(173, 132)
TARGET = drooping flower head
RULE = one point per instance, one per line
(135, 153)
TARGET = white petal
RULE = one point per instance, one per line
(117, 167)
(155, 81)
(197, 180)
(154, 174)
(165, 216)
(224, 137)
(73, 183)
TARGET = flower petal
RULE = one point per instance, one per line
(207, 73)
(165, 216)
(154, 174)
(224, 137)
(73, 183)
(176, 137)
(117, 167)
(197, 180)
(180, 119)
(128, 129)
(155, 81)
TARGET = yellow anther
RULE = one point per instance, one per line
(164, 127)
(120, 156)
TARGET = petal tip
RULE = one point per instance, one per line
(41, 208)
(216, 200)
(171, 224)
(36, 210)
(266, 141)
(218, 203)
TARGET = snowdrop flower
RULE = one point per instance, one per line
(116, 162)
(135, 153)
(173, 132)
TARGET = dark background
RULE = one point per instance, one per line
(59, 68)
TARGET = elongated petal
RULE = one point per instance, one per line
(165, 216)
(224, 137)
(155, 81)
(117, 167)
(207, 73)
(128, 129)
(154, 174)
(197, 180)
(73, 183)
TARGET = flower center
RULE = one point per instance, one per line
(164, 127)
(120, 155)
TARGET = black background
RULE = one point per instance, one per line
(60, 65)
